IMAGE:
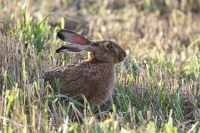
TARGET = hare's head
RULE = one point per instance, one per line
(99, 51)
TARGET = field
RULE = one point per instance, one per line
(157, 85)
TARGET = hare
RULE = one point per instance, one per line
(94, 77)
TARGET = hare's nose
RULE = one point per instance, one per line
(124, 54)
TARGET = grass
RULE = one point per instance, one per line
(157, 86)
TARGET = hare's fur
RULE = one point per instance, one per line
(95, 81)
(94, 77)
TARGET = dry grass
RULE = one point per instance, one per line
(158, 81)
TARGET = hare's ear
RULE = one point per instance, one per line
(72, 37)
(69, 48)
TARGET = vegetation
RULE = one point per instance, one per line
(157, 86)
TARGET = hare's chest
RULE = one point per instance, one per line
(100, 82)
(105, 86)
(106, 79)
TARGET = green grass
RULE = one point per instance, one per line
(155, 92)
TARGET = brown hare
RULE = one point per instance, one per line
(94, 77)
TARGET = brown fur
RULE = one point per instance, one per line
(94, 77)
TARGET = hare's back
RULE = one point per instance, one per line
(57, 73)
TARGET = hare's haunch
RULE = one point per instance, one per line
(94, 77)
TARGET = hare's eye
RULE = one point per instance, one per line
(109, 46)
